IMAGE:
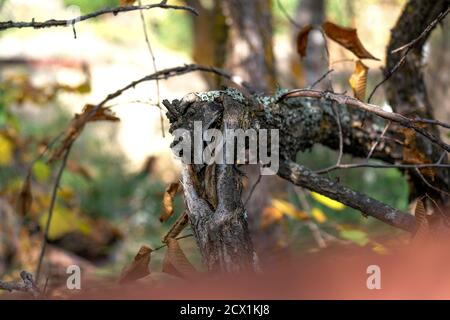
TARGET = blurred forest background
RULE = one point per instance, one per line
(111, 193)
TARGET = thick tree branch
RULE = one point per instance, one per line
(303, 177)
(392, 116)
(71, 22)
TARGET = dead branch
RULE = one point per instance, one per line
(26, 285)
(71, 22)
(303, 177)
(392, 116)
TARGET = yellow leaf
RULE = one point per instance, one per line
(330, 203)
(288, 209)
(64, 221)
(41, 171)
(270, 215)
(380, 249)
(318, 215)
(6, 151)
(358, 80)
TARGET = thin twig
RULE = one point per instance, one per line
(150, 50)
(253, 188)
(313, 227)
(375, 145)
(429, 184)
(71, 22)
(179, 238)
(50, 211)
(383, 166)
(408, 48)
(315, 83)
(172, 72)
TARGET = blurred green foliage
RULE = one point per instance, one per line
(87, 6)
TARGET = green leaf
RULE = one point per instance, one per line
(357, 236)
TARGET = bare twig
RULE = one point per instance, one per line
(26, 285)
(178, 238)
(253, 188)
(150, 50)
(315, 83)
(383, 166)
(172, 72)
(381, 137)
(429, 184)
(315, 230)
(392, 116)
(408, 48)
(50, 211)
(71, 22)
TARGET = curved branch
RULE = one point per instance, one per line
(71, 22)
(395, 117)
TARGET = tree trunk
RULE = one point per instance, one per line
(407, 94)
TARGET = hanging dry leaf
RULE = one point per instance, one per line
(90, 113)
(422, 230)
(176, 263)
(25, 197)
(348, 38)
(302, 40)
(358, 80)
(169, 194)
(413, 155)
(126, 2)
(177, 227)
(138, 268)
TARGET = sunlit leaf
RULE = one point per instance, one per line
(138, 268)
(6, 151)
(358, 80)
(330, 203)
(420, 213)
(63, 222)
(288, 209)
(169, 194)
(348, 38)
(380, 249)
(302, 40)
(318, 215)
(357, 236)
(41, 171)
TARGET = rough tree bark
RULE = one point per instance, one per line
(213, 192)
(407, 93)
(250, 56)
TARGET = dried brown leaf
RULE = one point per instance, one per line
(90, 113)
(358, 80)
(302, 40)
(25, 197)
(126, 2)
(138, 268)
(348, 38)
(423, 230)
(169, 194)
(176, 263)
